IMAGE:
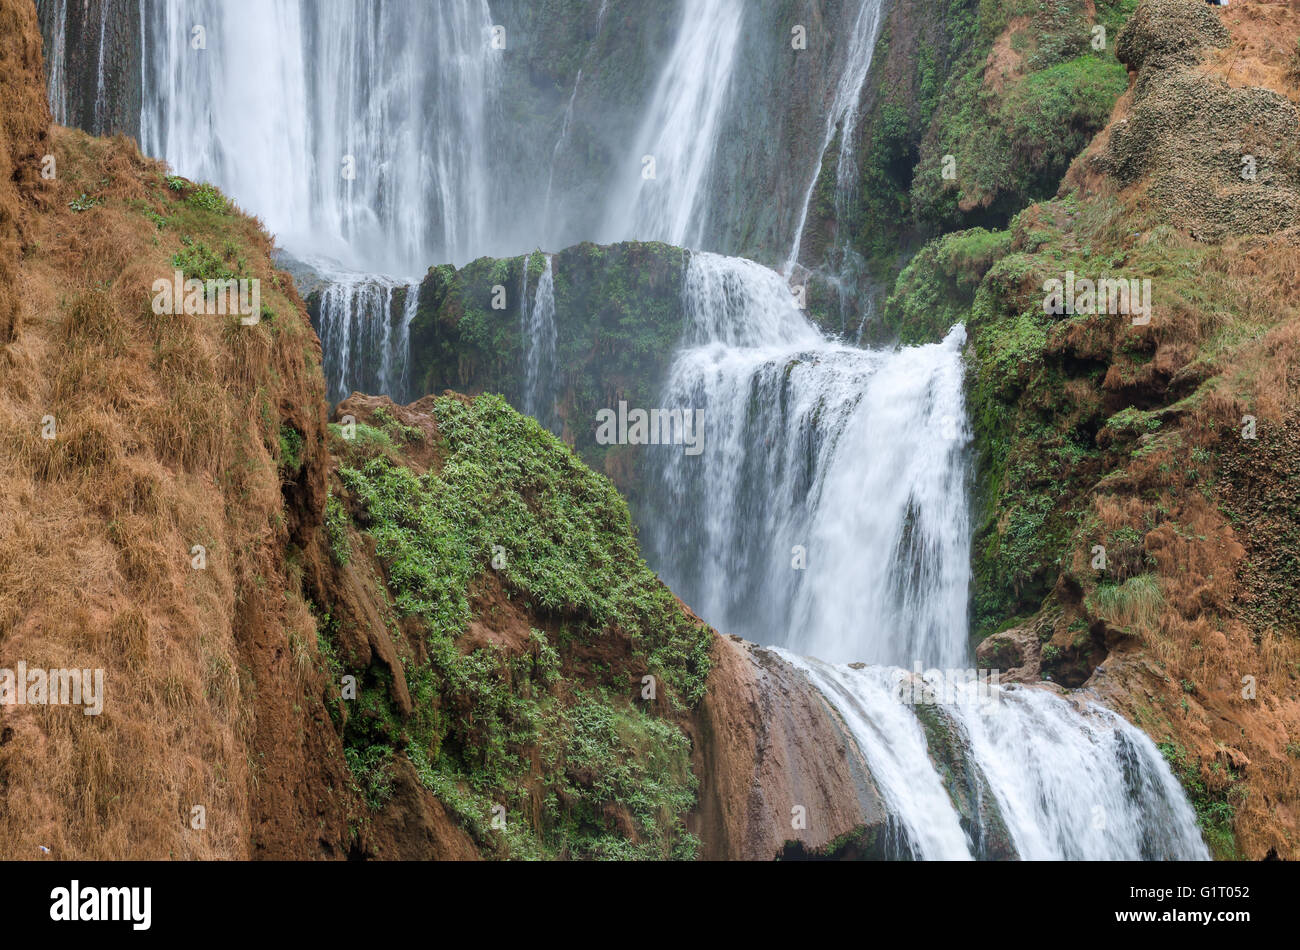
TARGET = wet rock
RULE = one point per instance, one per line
(973, 800)
(1016, 654)
(765, 742)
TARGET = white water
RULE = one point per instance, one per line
(565, 125)
(680, 132)
(828, 515)
(56, 63)
(354, 128)
(1068, 783)
(365, 339)
(856, 457)
(537, 324)
(843, 116)
(1078, 784)
(894, 746)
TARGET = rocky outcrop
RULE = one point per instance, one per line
(1129, 479)
(970, 112)
(618, 320)
(1217, 160)
(778, 772)
(968, 788)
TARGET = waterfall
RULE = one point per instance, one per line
(1066, 783)
(565, 123)
(843, 117)
(373, 146)
(827, 513)
(537, 322)
(357, 130)
(56, 61)
(662, 196)
(365, 336)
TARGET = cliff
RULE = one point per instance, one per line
(417, 632)
(1136, 505)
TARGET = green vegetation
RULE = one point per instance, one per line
(83, 202)
(1036, 393)
(198, 261)
(1136, 603)
(554, 730)
(1011, 137)
(618, 315)
(291, 444)
(1215, 807)
(395, 430)
(208, 198)
(936, 288)
(336, 530)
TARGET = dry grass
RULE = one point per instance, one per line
(1184, 592)
(166, 435)
(1264, 47)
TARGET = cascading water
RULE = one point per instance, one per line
(847, 462)
(828, 515)
(56, 63)
(537, 318)
(843, 116)
(1066, 783)
(662, 198)
(365, 335)
(374, 147)
(565, 125)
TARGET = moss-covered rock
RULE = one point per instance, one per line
(618, 320)
(972, 798)
(522, 629)
(971, 112)
(936, 289)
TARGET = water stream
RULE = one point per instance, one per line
(828, 515)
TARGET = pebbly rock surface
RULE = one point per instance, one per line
(1211, 152)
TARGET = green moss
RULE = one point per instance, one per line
(291, 444)
(336, 531)
(937, 288)
(1215, 807)
(618, 321)
(1010, 146)
(614, 778)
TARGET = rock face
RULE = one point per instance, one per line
(1129, 521)
(618, 318)
(967, 787)
(92, 58)
(1220, 160)
(766, 742)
